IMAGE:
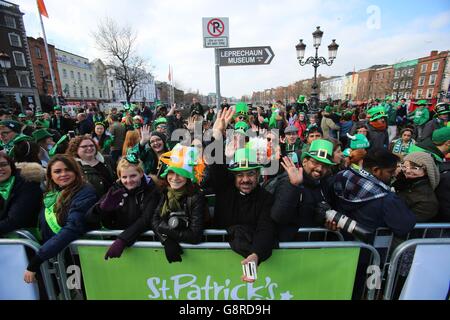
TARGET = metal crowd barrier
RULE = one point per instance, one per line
(375, 257)
(392, 270)
(48, 284)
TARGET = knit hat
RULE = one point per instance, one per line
(358, 141)
(181, 160)
(160, 135)
(439, 136)
(11, 124)
(426, 160)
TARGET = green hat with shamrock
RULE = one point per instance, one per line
(244, 160)
(358, 141)
(320, 150)
(376, 113)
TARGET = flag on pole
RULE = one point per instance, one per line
(42, 8)
(170, 73)
(353, 75)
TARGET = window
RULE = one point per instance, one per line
(423, 68)
(419, 94)
(3, 80)
(75, 91)
(14, 40)
(87, 91)
(100, 93)
(65, 73)
(19, 59)
(41, 70)
(435, 66)
(90, 76)
(402, 85)
(421, 80)
(430, 93)
(37, 50)
(407, 95)
(93, 92)
(411, 72)
(10, 22)
(397, 74)
(72, 74)
(67, 90)
(85, 77)
(112, 83)
(404, 72)
(432, 80)
(24, 79)
(81, 91)
(395, 85)
(376, 76)
(79, 76)
(409, 84)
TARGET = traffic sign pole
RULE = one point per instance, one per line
(218, 98)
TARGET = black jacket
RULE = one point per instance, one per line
(234, 209)
(101, 180)
(22, 208)
(134, 216)
(294, 205)
(443, 193)
(378, 139)
(195, 206)
(65, 125)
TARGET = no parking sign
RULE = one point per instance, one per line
(215, 32)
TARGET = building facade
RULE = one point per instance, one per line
(145, 92)
(78, 83)
(404, 74)
(380, 84)
(445, 86)
(42, 71)
(351, 86)
(17, 82)
(429, 75)
(332, 89)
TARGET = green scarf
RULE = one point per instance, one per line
(172, 203)
(6, 187)
(50, 216)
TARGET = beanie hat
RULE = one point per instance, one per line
(159, 134)
(426, 160)
(441, 135)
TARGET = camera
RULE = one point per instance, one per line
(178, 220)
(343, 222)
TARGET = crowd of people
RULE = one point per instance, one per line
(271, 168)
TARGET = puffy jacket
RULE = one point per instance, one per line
(195, 206)
(99, 179)
(294, 205)
(377, 138)
(134, 216)
(22, 208)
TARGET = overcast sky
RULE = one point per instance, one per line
(170, 32)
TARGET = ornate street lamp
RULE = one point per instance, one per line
(316, 61)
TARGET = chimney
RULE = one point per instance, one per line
(434, 53)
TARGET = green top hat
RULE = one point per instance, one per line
(57, 108)
(39, 114)
(441, 135)
(422, 103)
(241, 109)
(376, 113)
(301, 99)
(328, 109)
(244, 160)
(241, 127)
(41, 134)
(22, 115)
(358, 141)
(320, 150)
(442, 108)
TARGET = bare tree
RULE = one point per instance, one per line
(118, 44)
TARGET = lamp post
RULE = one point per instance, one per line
(316, 61)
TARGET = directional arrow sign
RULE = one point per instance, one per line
(245, 56)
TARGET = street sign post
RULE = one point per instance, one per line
(216, 32)
(245, 56)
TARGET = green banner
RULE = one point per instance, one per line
(214, 274)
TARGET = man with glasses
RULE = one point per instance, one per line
(297, 197)
(11, 136)
(241, 205)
